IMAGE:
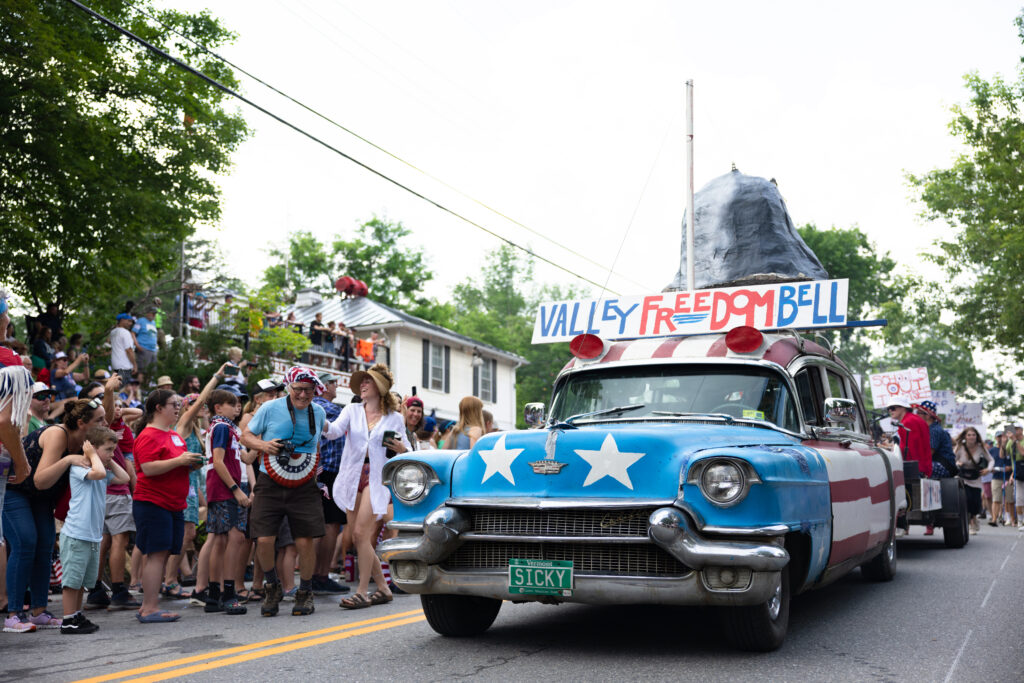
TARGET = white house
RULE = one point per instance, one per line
(442, 366)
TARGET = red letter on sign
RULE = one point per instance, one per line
(650, 305)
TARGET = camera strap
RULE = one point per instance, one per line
(309, 414)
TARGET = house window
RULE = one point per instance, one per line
(485, 381)
(436, 366)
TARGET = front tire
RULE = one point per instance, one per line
(459, 616)
(882, 567)
(760, 628)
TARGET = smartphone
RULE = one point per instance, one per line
(231, 370)
(389, 435)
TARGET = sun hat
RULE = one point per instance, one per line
(383, 382)
(162, 380)
(899, 401)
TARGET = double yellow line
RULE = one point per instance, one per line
(246, 653)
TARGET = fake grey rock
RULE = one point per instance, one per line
(743, 235)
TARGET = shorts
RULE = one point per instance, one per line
(224, 515)
(157, 529)
(80, 562)
(191, 513)
(998, 493)
(364, 477)
(300, 506)
(986, 489)
(119, 518)
(332, 513)
(284, 536)
(144, 358)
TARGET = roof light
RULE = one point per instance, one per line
(743, 339)
(587, 347)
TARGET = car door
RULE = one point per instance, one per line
(859, 481)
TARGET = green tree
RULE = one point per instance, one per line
(980, 197)
(394, 274)
(107, 153)
(303, 262)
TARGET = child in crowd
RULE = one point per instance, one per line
(227, 513)
(83, 529)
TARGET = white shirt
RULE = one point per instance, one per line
(351, 424)
(120, 342)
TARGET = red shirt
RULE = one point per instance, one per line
(916, 442)
(168, 490)
(8, 357)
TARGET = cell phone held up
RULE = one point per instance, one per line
(389, 435)
(231, 370)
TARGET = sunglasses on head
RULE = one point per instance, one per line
(96, 402)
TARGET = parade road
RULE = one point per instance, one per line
(949, 615)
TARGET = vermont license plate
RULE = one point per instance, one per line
(540, 577)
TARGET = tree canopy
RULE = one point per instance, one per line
(107, 152)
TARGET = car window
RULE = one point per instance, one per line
(839, 387)
(808, 389)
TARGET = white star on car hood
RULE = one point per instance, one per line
(609, 462)
(499, 460)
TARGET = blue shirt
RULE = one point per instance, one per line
(330, 451)
(942, 444)
(145, 332)
(272, 421)
(88, 506)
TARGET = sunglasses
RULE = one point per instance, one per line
(96, 402)
(42, 396)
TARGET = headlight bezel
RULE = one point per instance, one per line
(746, 473)
(426, 472)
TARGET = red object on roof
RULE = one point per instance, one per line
(344, 284)
(360, 289)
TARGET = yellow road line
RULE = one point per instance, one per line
(251, 646)
(248, 657)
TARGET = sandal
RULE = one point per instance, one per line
(135, 588)
(173, 591)
(248, 595)
(381, 598)
(355, 601)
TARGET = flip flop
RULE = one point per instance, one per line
(381, 598)
(157, 617)
(355, 601)
(173, 591)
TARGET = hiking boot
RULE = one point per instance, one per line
(232, 606)
(123, 600)
(45, 620)
(18, 623)
(78, 624)
(98, 599)
(324, 585)
(271, 600)
(303, 604)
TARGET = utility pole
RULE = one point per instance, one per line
(690, 277)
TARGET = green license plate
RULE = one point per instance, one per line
(540, 577)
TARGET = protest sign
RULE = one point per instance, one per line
(966, 415)
(911, 384)
(799, 305)
(944, 402)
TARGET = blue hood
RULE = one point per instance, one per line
(607, 461)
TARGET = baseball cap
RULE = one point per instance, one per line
(41, 388)
(326, 377)
(59, 355)
(268, 385)
(124, 316)
(234, 390)
(414, 401)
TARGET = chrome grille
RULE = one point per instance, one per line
(580, 522)
(616, 559)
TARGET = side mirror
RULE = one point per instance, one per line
(533, 415)
(840, 412)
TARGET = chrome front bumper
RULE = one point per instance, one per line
(415, 561)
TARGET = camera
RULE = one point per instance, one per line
(285, 454)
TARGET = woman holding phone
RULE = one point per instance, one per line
(373, 430)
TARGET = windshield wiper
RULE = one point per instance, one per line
(728, 418)
(605, 411)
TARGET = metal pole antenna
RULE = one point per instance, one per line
(690, 277)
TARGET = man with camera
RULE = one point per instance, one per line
(283, 436)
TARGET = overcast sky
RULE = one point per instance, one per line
(557, 113)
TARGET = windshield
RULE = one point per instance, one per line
(737, 391)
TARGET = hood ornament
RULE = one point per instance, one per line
(547, 466)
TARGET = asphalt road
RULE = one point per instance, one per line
(949, 615)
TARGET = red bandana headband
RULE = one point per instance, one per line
(297, 373)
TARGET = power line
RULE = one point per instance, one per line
(359, 137)
(182, 65)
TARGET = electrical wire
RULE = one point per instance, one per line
(195, 72)
(397, 158)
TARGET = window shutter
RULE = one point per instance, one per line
(476, 381)
(447, 369)
(494, 381)
(426, 364)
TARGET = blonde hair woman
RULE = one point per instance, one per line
(470, 427)
(365, 426)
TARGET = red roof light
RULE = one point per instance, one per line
(743, 339)
(587, 347)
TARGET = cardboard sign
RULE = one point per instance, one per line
(912, 384)
(931, 495)
(798, 305)
(944, 402)
(966, 415)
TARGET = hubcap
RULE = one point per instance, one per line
(890, 550)
(775, 602)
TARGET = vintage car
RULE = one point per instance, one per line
(729, 470)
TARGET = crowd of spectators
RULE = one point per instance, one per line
(113, 477)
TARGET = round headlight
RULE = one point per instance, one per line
(722, 482)
(409, 482)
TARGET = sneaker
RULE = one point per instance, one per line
(18, 623)
(271, 600)
(929, 530)
(78, 624)
(327, 586)
(45, 620)
(213, 606)
(123, 600)
(198, 598)
(97, 599)
(232, 606)
(290, 594)
(303, 604)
